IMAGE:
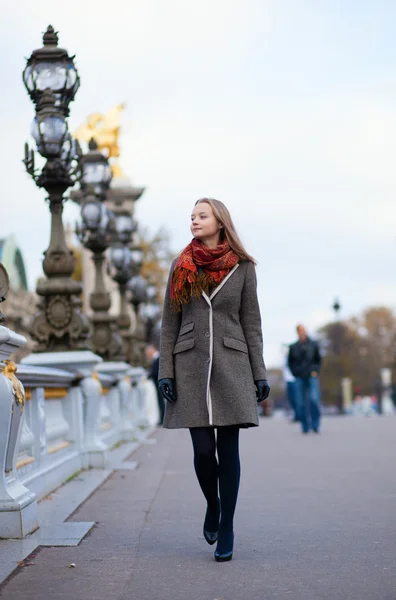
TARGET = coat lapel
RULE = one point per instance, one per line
(218, 288)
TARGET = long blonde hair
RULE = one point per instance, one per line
(228, 232)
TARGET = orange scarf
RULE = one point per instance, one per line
(188, 282)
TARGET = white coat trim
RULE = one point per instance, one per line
(208, 300)
(213, 294)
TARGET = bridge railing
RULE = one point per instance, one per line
(57, 423)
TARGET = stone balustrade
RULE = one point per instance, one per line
(74, 412)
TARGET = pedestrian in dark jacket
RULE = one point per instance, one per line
(152, 356)
(304, 362)
(212, 371)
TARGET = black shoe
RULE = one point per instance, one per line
(225, 547)
(212, 522)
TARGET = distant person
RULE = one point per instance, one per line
(291, 391)
(304, 362)
(152, 356)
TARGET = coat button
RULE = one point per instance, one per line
(207, 334)
(208, 360)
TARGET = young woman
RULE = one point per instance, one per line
(212, 371)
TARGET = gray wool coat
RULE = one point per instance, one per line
(213, 349)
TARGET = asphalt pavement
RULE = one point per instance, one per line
(316, 520)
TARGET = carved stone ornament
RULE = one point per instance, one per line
(58, 312)
(59, 325)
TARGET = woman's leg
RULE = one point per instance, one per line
(229, 477)
(206, 469)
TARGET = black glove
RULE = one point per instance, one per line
(263, 389)
(168, 389)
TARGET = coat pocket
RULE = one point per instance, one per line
(235, 344)
(186, 328)
(183, 345)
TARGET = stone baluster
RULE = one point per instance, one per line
(18, 505)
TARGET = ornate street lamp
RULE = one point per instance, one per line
(96, 233)
(150, 312)
(121, 268)
(337, 351)
(137, 286)
(59, 324)
(51, 68)
(123, 264)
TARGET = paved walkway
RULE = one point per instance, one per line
(316, 520)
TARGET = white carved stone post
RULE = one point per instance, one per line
(127, 425)
(118, 370)
(87, 395)
(96, 450)
(387, 407)
(18, 506)
(346, 390)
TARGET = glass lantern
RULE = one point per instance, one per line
(125, 226)
(137, 286)
(97, 225)
(137, 254)
(120, 260)
(151, 292)
(96, 172)
(92, 214)
(49, 131)
(51, 68)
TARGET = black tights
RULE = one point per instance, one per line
(224, 475)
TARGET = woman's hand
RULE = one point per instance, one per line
(263, 389)
(168, 389)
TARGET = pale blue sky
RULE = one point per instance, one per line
(283, 109)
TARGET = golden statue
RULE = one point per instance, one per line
(105, 129)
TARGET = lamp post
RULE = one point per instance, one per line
(150, 313)
(95, 233)
(51, 80)
(337, 352)
(137, 285)
(123, 264)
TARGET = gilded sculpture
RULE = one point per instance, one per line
(105, 129)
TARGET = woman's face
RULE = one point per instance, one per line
(204, 224)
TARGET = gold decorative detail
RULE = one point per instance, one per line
(55, 392)
(105, 129)
(9, 371)
(60, 446)
(95, 375)
(25, 461)
(49, 393)
(105, 391)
